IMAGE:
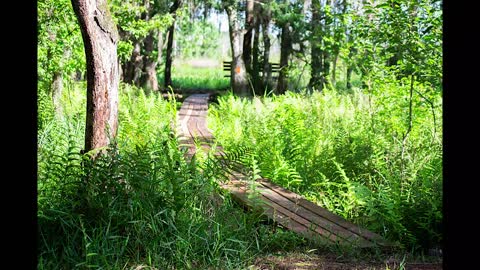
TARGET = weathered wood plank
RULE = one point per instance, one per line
(287, 208)
(242, 196)
(297, 199)
(311, 221)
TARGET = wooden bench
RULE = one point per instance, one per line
(227, 66)
(282, 206)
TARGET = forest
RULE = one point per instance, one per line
(338, 101)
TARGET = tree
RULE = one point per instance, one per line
(100, 39)
(247, 38)
(317, 79)
(149, 75)
(60, 53)
(141, 24)
(238, 81)
(284, 16)
(171, 30)
(265, 18)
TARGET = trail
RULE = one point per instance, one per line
(284, 207)
(287, 208)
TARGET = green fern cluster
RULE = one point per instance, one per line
(348, 153)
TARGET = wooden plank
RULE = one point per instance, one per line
(284, 207)
(241, 196)
(297, 199)
(274, 210)
(315, 219)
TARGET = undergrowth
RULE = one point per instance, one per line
(140, 204)
(350, 153)
(186, 78)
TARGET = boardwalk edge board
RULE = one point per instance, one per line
(284, 207)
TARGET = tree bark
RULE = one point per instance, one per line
(316, 80)
(57, 82)
(149, 73)
(133, 68)
(334, 69)
(169, 58)
(350, 67)
(100, 39)
(160, 46)
(267, 69)
(247, 38)
(285, 50)
(238, 77)
(149, 78)
(255, 54)
(57, 89)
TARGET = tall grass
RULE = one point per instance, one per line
(185, 78)
(348, 153)
(139, 205)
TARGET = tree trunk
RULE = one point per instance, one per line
(316, 80)
(349, 76)
(267, 69)
(255, 55)
(350, 67)
(168, 61)
(149, 80)
(247, 38)
(285, 50)
(238, 75)
(149, 73)
(57, 82)
(334, 69)
(326, 68)
(100, 39)
(160, 46)
(133, 68)
(206, 9)
(57, 89)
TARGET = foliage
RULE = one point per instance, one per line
(198, 39)
(134, 23)
(140, 204)
(185, 77)
(347, 153)
(60, 46)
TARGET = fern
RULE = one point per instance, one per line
(344, 151)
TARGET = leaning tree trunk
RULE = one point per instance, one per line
(285, 50)
(100, 39)
(238, 75)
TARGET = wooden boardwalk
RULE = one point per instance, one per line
(286, 208)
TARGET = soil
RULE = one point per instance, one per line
(297, 261)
